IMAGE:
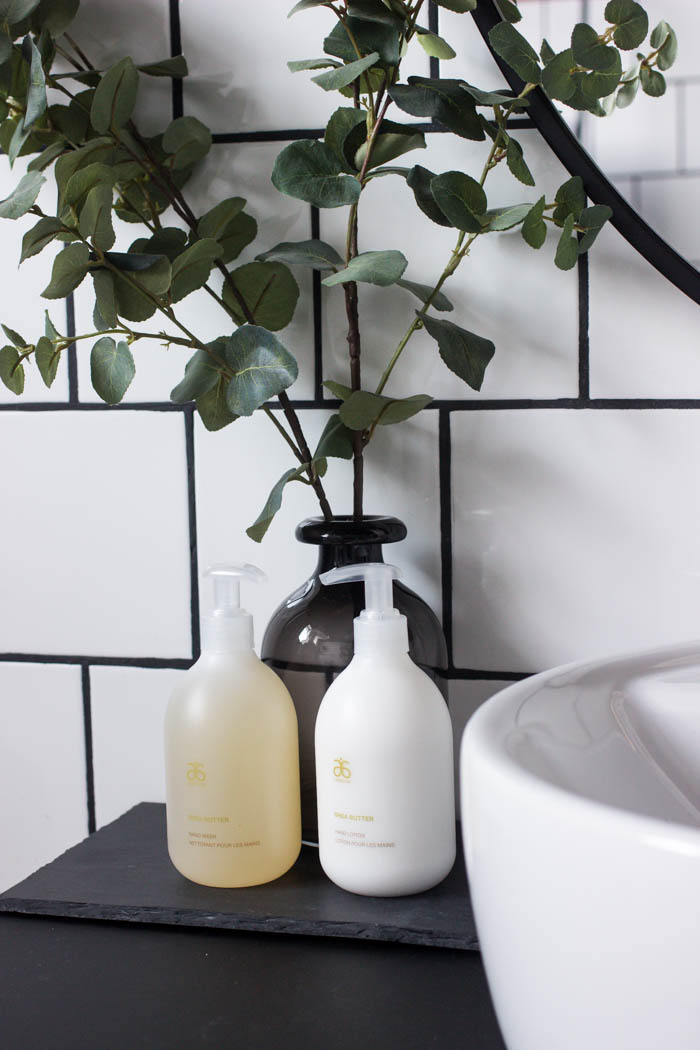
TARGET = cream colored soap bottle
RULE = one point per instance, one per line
(231, 755)
(384, 760)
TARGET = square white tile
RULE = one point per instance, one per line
(237, 467)
(504, 291)
(666, 205)
(95, 512)
(128, 711)
(644, 333)
(565, 546)
(240, 81)
(42, 748)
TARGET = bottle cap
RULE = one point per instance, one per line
(228, 628)
(379, 627)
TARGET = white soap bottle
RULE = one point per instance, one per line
(384, 759)
(232, 754)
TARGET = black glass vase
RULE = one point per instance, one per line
(309, 639)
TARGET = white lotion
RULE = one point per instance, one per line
(384, 759)
(232, 755)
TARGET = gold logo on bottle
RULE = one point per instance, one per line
(195, 773)
(341, 769)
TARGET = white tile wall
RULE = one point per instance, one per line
(42, 755)
(128, 709)
(575, 534)
(644, 333)
(95, 514)
(529, 310)
(232, 489)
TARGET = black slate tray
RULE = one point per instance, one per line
(122, 872)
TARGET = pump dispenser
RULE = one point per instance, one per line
(231, 754)
(384, 757)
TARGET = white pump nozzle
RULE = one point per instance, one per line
(379, 625)
(229, 627)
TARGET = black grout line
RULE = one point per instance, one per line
(89, 764)
(633, 404)
(176, 49)
(143, 662)
(445, 482)
(294, 134)
(434, 27)
(153, 663)
(73, 394)
(317, 311)
(192, 515)
(584, 388)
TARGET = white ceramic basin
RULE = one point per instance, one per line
(581, 815)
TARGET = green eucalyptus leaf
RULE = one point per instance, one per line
(115, 97)
(419, 179)
(547, 52)
(344, 75)
(315, 254)
(509, 10)
(389, 145)
(500, 219)
(18, 142)
(103, 285)
(82, 182)
(12, 11)
(424, 292)
(583, 99)
(169, 241)
(664, 38)
(187, 141)
(36, 239)
(202, 373)
(512, 46)
(335, 441)
(304, 5)
(627, 93)
(269, 291)
(338, 389)
(50, 331)
(262, 523)
(341, 123)
(570, 199)
(516, 163)
(311, 172)
(96, 217)
(534, 228)
(491, 98)
(362, 409)
(301, 65)
(55, 15)
(191, 269)
(369, 37)
(434, 45)
(382, 268)
(15, 337)
(47, 359)
(23, 196)
(11, 369)
(262, 368)
(653, 83)
(228, 224)
(111, 369)
(213, 408)
(464, 353)
(47, 156)
(631, 23)
(589, 52)
(592, 220)
(567, 248)
(36, 94)
(152, 271)
(556, 76)
(445, 101)
(379, 11)
(69, 269)
(175, 67)
(461, 198)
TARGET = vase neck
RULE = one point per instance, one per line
(335, 555)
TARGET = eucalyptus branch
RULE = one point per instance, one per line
(273, 419)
